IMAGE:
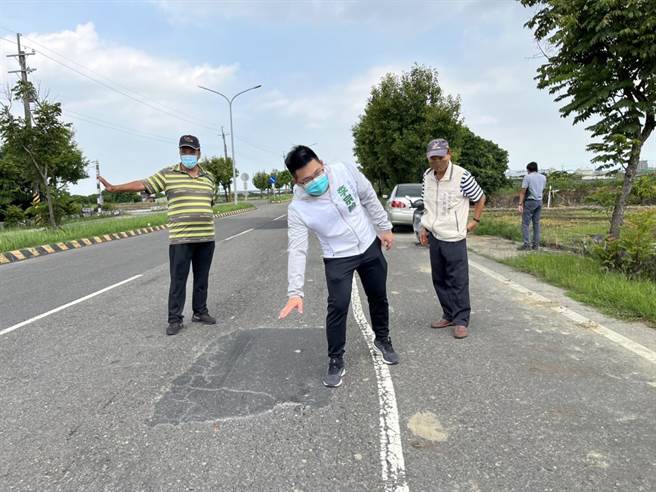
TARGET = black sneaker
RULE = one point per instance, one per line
(384, 346)
(174, 328)
(524, 247)
(206, 319)
(333, 377)
(536, 247)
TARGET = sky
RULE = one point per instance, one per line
(127, 75)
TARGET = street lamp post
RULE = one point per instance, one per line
(232, 132)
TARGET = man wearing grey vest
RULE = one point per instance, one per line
(530, 205)
(447, 191)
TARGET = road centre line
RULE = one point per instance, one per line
(72, 303)
(240, 234)
(391, 447)
(579, 319)
(278, 218)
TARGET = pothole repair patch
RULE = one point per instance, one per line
(248, 373)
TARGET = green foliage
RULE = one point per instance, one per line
(283, 179)
(15, 185)
(261, 181)
(644, 190)
(601, 66)
(43, 150)
(485, 160)
(221, 169)
(402, 115)
(603, 197)
(634, 253)
(14, 216)
(406, 112)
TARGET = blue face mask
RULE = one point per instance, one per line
(189, 161)
(317, 186)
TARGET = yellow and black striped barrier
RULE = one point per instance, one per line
(46, 249)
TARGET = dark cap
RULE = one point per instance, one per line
(438, 147)
(189, 141)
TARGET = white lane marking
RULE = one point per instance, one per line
(72, 303)
(240, 234)
(281, 217)
(391, 448)
(613, 336)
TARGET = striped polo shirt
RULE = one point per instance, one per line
(190, 200)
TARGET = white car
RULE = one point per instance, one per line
(399, 205)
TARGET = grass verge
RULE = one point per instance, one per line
(231, 207)
(561, 227)
(26, 238)
(586, 281)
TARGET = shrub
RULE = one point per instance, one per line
(634, 253)
(14, 216)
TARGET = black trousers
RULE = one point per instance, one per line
(450, 272)
(199, 256)
(372, 269)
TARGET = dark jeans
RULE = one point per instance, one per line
(532, 212)
(372, 269)
(450, 272)
(199, 256)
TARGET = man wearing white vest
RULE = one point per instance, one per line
(340, 206)
(447, 191)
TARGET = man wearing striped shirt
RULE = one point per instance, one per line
(189, 191)
(447, 191)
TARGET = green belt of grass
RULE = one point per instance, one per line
(586, 281)
(16, 239)
(231, 207)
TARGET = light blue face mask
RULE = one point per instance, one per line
(189, 161)
(317, 186)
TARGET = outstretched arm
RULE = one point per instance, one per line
(131, 186)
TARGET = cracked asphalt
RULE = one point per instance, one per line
(96, 397)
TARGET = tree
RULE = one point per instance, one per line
(284, 178)
(46, 147)
(15, 186)
(261, 181)
(485, 160)
(221, 168)
(601, 64)
(402, 115)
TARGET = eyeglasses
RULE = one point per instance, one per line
(314, 176)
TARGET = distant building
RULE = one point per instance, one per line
(515, 174)
(643, 165)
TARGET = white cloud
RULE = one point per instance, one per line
(166, 83)
(338, 105)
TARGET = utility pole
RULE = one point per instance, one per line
(225, 147)
(100, 196)
(225, 153)
(24, 70)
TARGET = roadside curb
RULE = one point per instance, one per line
(47, 249)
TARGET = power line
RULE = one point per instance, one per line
(122, 90)
(119, 91)
(101, 76)
(130, 132)
(118, 125)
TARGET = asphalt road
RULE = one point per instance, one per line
(96, 397)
